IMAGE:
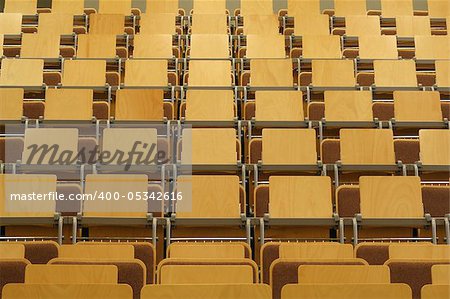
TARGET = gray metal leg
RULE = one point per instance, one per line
(447, 228)
(168, 231)
(341, 231)
(60, 229)
(154, 227)
(248, 231)
(355, 231)
(433, 230)
(261, 231)
(74, 229)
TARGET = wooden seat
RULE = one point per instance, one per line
(153, 46)
(114, 7)
(432, 47)
(139, 104)
(157, 23)
(209, 146)
(68, 104)
(97, 252)
(419, 252)
(22, 72)
(435, 291)
(392, 9)
(96, 46)
(10, 23)
(440, 274)
(378, 47)
(146, 73)
(1, 44)
(252, 7)
(261, 25)
(84, 73)
(209, 73)
(24, 7)
(271, 72)
(442, 73)
(357, 25)
(348, 105)
(206, 274)
(408, 26)
(289, 146)
(347, 291)
(39, 46)
(279, 106)
(354, 274)
(322, 47)
(202, 7)
(322, 250)
(265, 46)
(345, 8)
(162, 6)
(11, 103)
(312, 25)
(107, 24)
(217, 250)
(71, 7)
(56, 23)
(417, 106)
(333, 73)
(209, 105)
(215, 291)
(200, 46)
(71, 274)
(303, 7)
(11, 250)
(74, 291)
(438, 8)
(395, 73)
(434, 147)
(213, 23)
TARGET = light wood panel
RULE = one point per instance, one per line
(209, 73)
(107, 24)
(347, 291)
(139, 104)
(432, 47)
(216, 291)
(209, 146)
(419, 251)
(303, 7)
(345, 8)
(358, 25)
(26, 185)
(11, 103)
(157, 23)
(213, 23)
(209, 7)
(392, 9)
(322, 47)
(312, 25)
(443, 73)
(114, 7)
(300, 197)
(71, 7)
(434, 147)
(440, 274)
(11, 250)
(1, 44)
(251, 7)
(378, 47)
(25, 7)
(206, 274)
(408, 26)
(146, 73)
(162, 6)
(333, 73)
(367, 146)
(71, 274)
(390, 197)
(10, 23)
(271, 72)
(208, 196)
(96, 46)
(69, 104)
(320, 250)
(206, 250)
(321, 274)
(438, 8)
(201, 46)
(69, 291)
(261, 24)
(39, 46)
(395, 73)
(84, 73)
(435, 291)
(153, 46)
(265, 46)
(56, 23)
(210, 105)
(279, 105)
(22, 72)
(96, 252)
(289, 146)
(417, 106)
(348, 105)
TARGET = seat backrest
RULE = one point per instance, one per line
(206, 250)
(408, 26)
(322, 47)
(206, 274)
(73, 274)
(213, 291)
(358, 25)
(265, 46)
(153, 46)
(312, 25)
(289, 146)
(440, 274)
(69, 104)
(25, 7)
(438, 8)
(432, 47)
(16, 190)
(97, 252)
(11, 250)
(300, 197)
(442, 73)
(434, 147)
(209, 146)
(378, 47)
(210, 105)
(355, 274)
(157, 23)
(84, 73)
(213, 23)
(71, 7)
(333, 73)
(114, 7)
(395, 73)
(96, 46)
(345, 8)
(390, 197)
(146, 73)
(320, 250)
(435, 291)
(279, 105)
(11, 103)
(55, 23)
(209, 73)
(417, 106)
(419, 251)
(10, 23)
(139, 104)
(348, 105)
(271, 72)
(22, 72)
(209, 7)
(261, 24)
(391, 9)
(162, 6)
(201, 46)
(252, 7)
(107, 24)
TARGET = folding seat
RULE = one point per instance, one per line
(277, 106)
(377, 253)
(200, 46)
(209, 73)
(312, 25)
(435, 291)
(271, 73)
(432, 47)
(303, 7)
(408, 26)
(163, 6)
(419, 251)
(69, 104)
(440, 274)
(209, 23)
(258, 46)
(434, 148)
(71, 274)
(140, 104)
(321, 47)
(362, 25)
(347, 106)
(153, 46)
(354, 274)
(10, 23)
(378, 47)
(261, 25)
(438, 8)
(217, 250)
(25, 7)
(22, 72)
(252, 7)
(316, 291)
(213, 291)
(331, 73)
(107, 24)
(56, 24)
(146, 73)
(11, 104)
(346, 8)
(442, 74)
(28, 291)
(122, 7)
(96, 46)
(392, 74)
(11, 250)
(40, 252)
(1, 45)
(417, 106)
(13, 271)
(88, 73)
(392, 9)
(209, 105)
(40, 46)
(157, 23)
(71, 7)
(202, 7)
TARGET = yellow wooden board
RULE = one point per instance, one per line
(438, 8)
(152, 46)
(162, 6)
(378, 47)
(1, 44)
(359, 25)
(313, 250)
(345, 8)
(210, 105)
(97, 252)
(202, 7)
(96, 46)
(333, 73)
(408, 26)
(322, 47)
(157, 23)
(107, 24)
(261, 25)
(419, 252)
(71, 274)
(443, 73)
(146, 73)
(206, 274)
(392, 9)
(265, 46)
(252, 7)
(417, 106)
(432, 47)
(348, 105)
(68, 104)
(11, 103)
(395, 73)
(209, 73)
(322, 274)
(10, 23)
(25, 7)
(72, 7)
(312, 25)
(302, 8)
(201, 46)
(139, 104)
(39, 46)
(22, 72)
(206, 250)
(84, 73)
(279, 105)
(434, 147)
(435, 291)
(213, 23)
(440, 274)
(11, 250)
(114, 7)
(271, 72)
(55, 23)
